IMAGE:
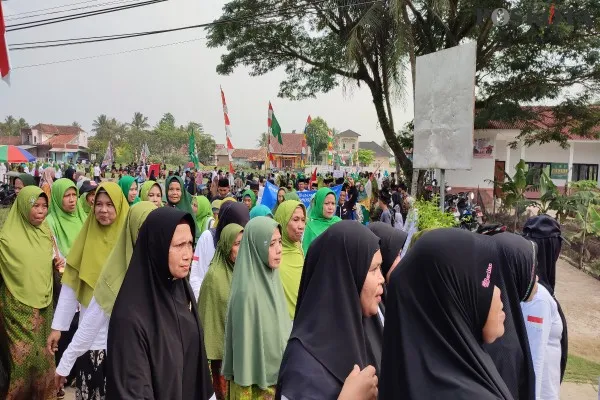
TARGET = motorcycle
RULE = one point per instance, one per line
(491, 229)
(7, 195)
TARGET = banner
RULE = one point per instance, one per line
(559, 171)
(269, 197)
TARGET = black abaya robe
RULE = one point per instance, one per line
(155, 342)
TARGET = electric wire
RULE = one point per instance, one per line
(8, 18)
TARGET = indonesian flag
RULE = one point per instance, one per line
(313, 178)
(308, 121)
(227, 133)
(4, 61)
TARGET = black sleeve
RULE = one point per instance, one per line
(352, 198)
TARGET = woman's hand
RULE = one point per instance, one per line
(59, 381)
(59, 264)
(52, 342)
(360, 385)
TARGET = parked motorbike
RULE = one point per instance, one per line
(7, 195)
(491, 229)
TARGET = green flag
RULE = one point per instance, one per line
(192, 149)
(274, 125)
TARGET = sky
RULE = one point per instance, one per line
(180, 79)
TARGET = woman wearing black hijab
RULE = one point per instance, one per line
(441, 306)
(516, 278)
(328, 338)
(155, 340)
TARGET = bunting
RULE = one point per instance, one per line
(4, 61)
(227, 133)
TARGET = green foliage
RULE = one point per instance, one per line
(586, 199)
(317, 137)
(581, 370)
(365, 157)
(262, 140)
(430, 215)
(12, 126)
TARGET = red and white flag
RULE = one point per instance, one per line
(227, 132)
(4, 61)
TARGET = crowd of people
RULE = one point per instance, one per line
(130, 287)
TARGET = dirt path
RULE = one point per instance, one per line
(579, 296)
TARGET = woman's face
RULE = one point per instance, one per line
(133, 192)
(195, 206)
(181, 251)
(69, 200)
(329, 206)
(342, 197)
(90, 198)
(394, 265)
(236, 246)
(38, 212)
(494, 326)
(155, 195)
(174, 193)
(248, 202)
(275, 249)
(104, 209)
(370, 295)
(280, 195)
(18, 185)
(296, 225)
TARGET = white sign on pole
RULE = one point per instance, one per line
(444, 108)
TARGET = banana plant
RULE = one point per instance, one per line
(586, 199)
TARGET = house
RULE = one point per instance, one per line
(288, 154)
(382, 156)
(492, 155)
(55, 142)
(250, 158)
(221, 156)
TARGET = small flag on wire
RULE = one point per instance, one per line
(4, 60)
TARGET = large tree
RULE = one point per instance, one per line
(139, 121)
(12, 126)
(317, 137)
(323, 43)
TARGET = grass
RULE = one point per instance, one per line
(580, 370)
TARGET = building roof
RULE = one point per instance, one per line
(259, 154)
(10, 140)
(220, 150)
(50, 129)
(292, 144)
(373, 146)
(348, 133)
(60, 140)
(546, 120)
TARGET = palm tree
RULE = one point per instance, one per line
(76, 124)
(139, 121)
(100, 123)
(263, 140)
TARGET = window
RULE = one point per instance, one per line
(353, 146)
(34, 139)
(584, 172)
(344, 146)
(538, 167)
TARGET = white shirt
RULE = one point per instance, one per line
(93, 325)
(58, 173)
(544, 331)
(203, 255)
(96, 171)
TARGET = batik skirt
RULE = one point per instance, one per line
(32, 373)
(237, 392)
(90, 382)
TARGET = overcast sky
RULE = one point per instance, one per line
(180, 79)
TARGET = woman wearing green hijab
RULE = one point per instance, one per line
(64, 217)
(26, 265)
(258, 324)
(84, 264)
(22, 181)
(129, 186)
(177, 196)
(87, 193)
(291, 215)
(96, 319)
(152, 192)
(202, 214)
(281, 192)
(213, 299)
(322, 210)
(249, 199)
(291, 196)
(261, 211)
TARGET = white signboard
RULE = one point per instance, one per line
(444, 108)
(338, 173)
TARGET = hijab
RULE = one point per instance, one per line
(291, 196)
(48, 176)
(515, 279)
(329, 320)
(214, 293)
(125, 184)
(70, 174)
(185, 202)
(64, 225)
(146, 186)
(438, 302)
(93, 246)
(147, 312)
(277, 203)
(203, 214)
(260, 211)
(258, 323)
(250, 193)
(113, 272)
(292, 257)
(84, 187)
(26, 179)
(26, 253)
(230, 213)
(317, 223)
(392, 242)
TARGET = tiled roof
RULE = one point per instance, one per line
(220, 150)
(292, 144)
(377, 149)
(545, 120)
(57, 129)
(250, 154)
(10, 140)
(60, 140)
(348, 133)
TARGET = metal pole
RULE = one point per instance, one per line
(442, 188)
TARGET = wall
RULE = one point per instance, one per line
(481, 171)
(383, 163)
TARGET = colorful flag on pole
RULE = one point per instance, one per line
(308, 121)
(193, 155)
(145, 153)
(4, 60)
(108, 156)
(229, 145)
(274, 128)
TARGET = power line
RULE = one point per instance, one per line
(52, 8)
(49, 21)
(70, 9)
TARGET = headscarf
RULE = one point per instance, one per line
(258, 323)
(114, 269)
(277, 203)
(392, 242)
(84, 187)
(26, 179)
(70, 174)
(93, 246)
(329, 319)
(203, 214)
(516, 279)
(64, 225)
(292, 257)
(291, 196)
(230, 213)
(250, 193)
(214, 293)
(151, 311)
(185, 202)
(362, 194)
(48, 176)
(317, 223)
(125, 184)
(438, 303)
(145, 189)
(260, 211)
(546, 233)
(26, 253)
